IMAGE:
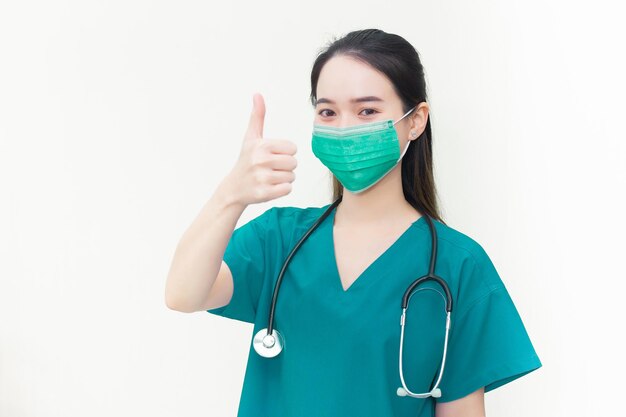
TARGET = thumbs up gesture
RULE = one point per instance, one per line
(264, 170)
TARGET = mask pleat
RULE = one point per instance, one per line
(360, 155)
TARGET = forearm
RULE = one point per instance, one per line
(472, 405)
(198, 256)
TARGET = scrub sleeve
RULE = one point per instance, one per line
(245, 258)
(488, 345)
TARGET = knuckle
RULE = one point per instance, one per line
(257, 191)
(254, 159)
(259, 176)
(259, 158)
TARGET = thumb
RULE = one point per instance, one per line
(257, 116)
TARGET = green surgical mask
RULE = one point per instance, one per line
(360, 155)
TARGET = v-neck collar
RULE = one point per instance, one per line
(372, 267)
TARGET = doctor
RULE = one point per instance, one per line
(339, 303)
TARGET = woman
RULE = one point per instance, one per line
(339, 304)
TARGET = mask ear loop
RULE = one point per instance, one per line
(405, 115)
(408, 142)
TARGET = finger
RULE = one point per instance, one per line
(279, 177)
(279, 190)
(281, 146)
(257, 117)
(282, 162)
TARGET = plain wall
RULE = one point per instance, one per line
(118, 119)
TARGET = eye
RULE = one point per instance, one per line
(373, 111)
(323, 110)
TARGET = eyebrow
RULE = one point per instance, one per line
(354, 100)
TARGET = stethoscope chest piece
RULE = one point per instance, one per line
(268, 345)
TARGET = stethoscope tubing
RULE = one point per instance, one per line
(270, 325)
(267, 345)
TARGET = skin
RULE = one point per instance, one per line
(380, 211)
(343, 79)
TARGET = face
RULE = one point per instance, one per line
(350, 92)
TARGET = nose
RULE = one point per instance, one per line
(347, 121)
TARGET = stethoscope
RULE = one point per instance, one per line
(269, 346)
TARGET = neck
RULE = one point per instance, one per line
(383, 203)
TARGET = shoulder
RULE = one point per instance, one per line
(287, 222)
(459, 243)
(290, 216)
(467, 258)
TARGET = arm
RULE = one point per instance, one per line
(263, 172)
(197, 260)
(472, 405)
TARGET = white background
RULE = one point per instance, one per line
(119, 118)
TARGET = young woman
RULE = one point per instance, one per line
(335, 345)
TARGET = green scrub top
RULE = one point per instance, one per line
(341, 350)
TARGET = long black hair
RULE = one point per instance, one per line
(396, 58)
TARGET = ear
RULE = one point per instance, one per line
(418, 118)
